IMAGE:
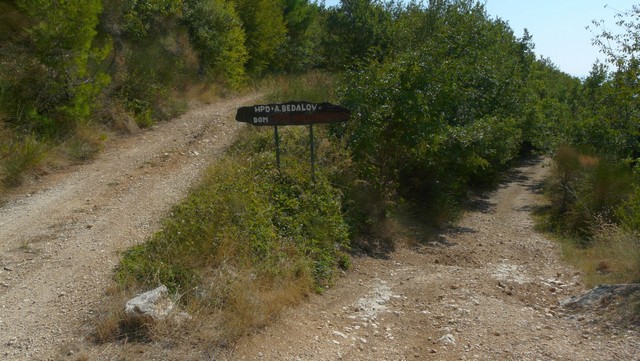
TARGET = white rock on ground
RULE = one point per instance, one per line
(154, 304)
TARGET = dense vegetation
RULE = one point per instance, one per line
(443, 98)
(594, 190)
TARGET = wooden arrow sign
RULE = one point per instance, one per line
(292, 113)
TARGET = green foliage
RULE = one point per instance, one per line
(58, 83)
(152, 58)
(246, 214)
(301, 50)
(216, 33)
(147, 17)
(264, 26)
(587, 192)
(443, 115)
(356, 30)
(553, 99)
(611, 105)
(629, 211)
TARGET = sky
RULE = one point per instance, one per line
(558, 27)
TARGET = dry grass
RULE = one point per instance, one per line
(19, 158)
(613, 257)
(117, 117)
(235, 304)
(315, 86)
(85, 143)
(205, 93)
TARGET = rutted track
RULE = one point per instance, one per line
(487, 290)
(59, 243)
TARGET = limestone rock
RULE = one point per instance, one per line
(447, 339)
(154, 304)
(599, 295)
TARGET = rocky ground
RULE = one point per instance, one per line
(487, 289)
(61, 236)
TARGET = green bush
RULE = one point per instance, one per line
(246, 214)
(264, 27)
(430, 121)
(52, 73)
(629, 211)
(216, 33)
(18, 157)
(588, 192)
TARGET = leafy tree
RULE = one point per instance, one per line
(619, 106)
(144, 17)
(66, 63)
(216, 33)
(301, 50)
(152, 58)
(552, 106)
(356, 30)
(265, 30)
(432, 119)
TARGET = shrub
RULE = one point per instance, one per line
(216, 33)
(18, 157)
(629, 211)
(585, 192)
(62, 46)
(246, 215)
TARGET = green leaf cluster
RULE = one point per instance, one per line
(216, 33)
(52, 78)
(432, 119)
(250, 216)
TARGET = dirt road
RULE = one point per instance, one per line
(61, 239)
(488, 290)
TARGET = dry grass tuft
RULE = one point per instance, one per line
(19, 157)
(613, 257)
(118, 118)
(205, 93)
(237, 305)
(85, 143)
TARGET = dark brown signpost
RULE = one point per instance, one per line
(293, 113)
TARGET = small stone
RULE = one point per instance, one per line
(447, 339)
(433, 350)
(338, 333)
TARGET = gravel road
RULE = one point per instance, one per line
(486, 289)
(61, 236)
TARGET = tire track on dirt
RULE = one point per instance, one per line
(59, 245)
(487, 289)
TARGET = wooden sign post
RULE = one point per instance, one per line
(293, 113)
